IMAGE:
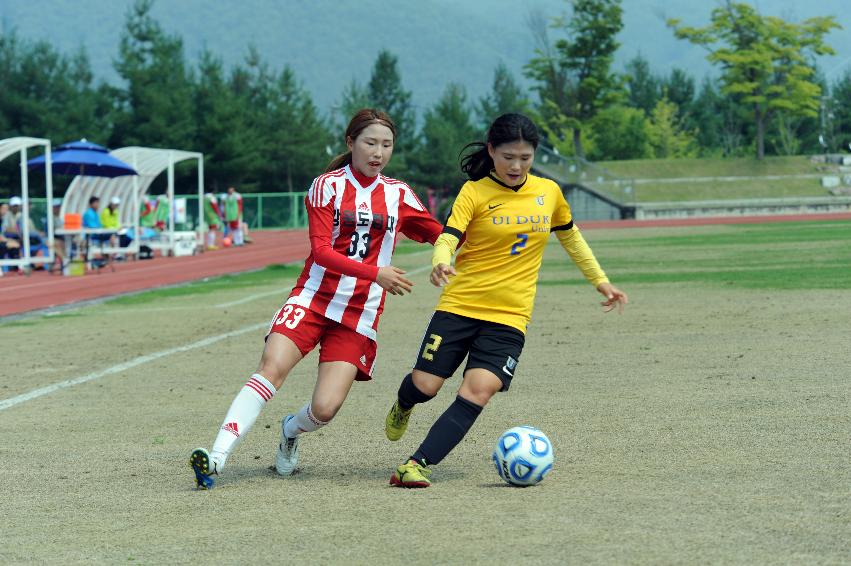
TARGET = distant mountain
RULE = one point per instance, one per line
(330, 42)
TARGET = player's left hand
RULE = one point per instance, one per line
(614, 297)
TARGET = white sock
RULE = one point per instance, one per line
(303, 421)
(211, 238)
(237, 237)
(240, 417)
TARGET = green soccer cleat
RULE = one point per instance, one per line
(396, 422)
(411, 474)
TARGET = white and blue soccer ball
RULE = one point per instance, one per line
(523, 455)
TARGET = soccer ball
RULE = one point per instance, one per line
(226, 242)
(523, 455)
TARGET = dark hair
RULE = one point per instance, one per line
(508, 128)
(360, 121)
(93, 200)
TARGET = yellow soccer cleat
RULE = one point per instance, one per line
(396, 422)
(411, 474)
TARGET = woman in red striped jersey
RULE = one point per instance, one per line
(355, 215)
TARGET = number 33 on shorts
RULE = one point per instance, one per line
(290, 316)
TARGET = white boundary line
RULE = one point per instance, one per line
(35, 393)
(250, 298)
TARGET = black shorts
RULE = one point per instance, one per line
(449, 338)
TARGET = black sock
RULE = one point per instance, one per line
(449, 429)
(409, 395)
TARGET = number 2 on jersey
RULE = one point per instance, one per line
(519, 244)
(297, 312)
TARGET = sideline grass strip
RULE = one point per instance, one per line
(267, 275)
(799, 255)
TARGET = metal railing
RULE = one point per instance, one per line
(577, 171)
(261, 211)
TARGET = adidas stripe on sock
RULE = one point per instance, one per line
(241, 416)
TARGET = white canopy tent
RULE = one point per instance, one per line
(20, 145)
(149, 163)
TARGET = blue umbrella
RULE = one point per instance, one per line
(84, 158)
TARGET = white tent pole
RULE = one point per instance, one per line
(137, 231)
(48, 181)
(203, 227)
(25, 189)
(171, 209)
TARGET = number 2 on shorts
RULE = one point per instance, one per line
(431, 347)
(297, 312)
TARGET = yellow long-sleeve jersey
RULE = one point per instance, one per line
(507, 229)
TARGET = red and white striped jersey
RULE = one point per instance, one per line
(354, 222)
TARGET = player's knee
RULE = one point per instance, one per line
(274, 373)
(427, 383)
(325, 410)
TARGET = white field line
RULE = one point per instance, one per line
(118, 368)
(250, 298)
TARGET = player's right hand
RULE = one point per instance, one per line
(440, 274)
(391, 280)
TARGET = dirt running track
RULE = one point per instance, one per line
(39, 291)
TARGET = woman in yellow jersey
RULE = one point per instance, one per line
(507, 216)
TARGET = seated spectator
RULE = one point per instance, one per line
(10, 225)
(109, 215)
(9, 249)
(91, 220)
(13, 228)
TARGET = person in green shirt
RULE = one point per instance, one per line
(212, 216)
(109, 216)
(233, 216)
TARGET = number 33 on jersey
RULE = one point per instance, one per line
(354, 224)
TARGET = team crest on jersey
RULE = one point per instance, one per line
(540, 200)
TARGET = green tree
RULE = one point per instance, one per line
(447, 128)
(155, 104)
(679, 88)
(44, 93)
(223, 133)
(841, 107)
(505, 96)
(385, 92)
(574, 73)
(766, 62)
(620, 132)
(354, 98)
(288, 136)
(666, 133)
(642, 86)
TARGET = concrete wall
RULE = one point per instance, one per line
(754, 207)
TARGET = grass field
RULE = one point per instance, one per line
(707, 424)
(676, 180)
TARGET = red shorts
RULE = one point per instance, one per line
(233, 224)
(338, 343)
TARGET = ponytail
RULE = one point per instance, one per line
(476, 164)
(340, 161)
